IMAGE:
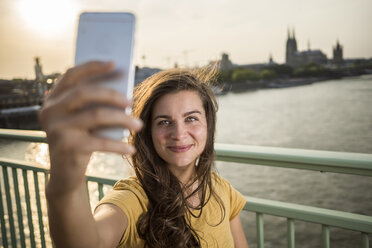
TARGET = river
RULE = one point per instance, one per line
(332, 115)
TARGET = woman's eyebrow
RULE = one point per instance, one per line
(192, 112)
(184, 115)
(162, 117)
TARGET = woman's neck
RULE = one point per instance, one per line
(184, 175)
(189, 183)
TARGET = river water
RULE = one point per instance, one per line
(332, 115)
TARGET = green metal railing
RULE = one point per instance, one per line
(336, 162)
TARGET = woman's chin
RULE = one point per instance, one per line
(180, 165)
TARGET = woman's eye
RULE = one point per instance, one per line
(163, 122)
(191, 119)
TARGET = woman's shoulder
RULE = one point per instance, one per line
(127, 193)
(229, 194)
(219, 181)
(131, 184)
(128, 184)
(223, 186)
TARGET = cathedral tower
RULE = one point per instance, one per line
(337, 54)
(291, 48)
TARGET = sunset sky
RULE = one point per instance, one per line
(190, 32)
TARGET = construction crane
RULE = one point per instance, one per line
(186, 54)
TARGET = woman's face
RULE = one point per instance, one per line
(179, 128)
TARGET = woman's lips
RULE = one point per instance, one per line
(179, 149)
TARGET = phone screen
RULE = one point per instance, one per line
(108, 37)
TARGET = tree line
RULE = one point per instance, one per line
(284, 71)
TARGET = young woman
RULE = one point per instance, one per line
(175, 199)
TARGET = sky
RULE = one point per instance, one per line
(189, 32)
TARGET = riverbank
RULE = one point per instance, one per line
(249, 85)
(240, 87)
(283, 76)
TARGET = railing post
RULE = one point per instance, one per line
(291, 233)
(9, 204)
(100, 191)
(46, 180)
(87, 184)
(365, 240)
(2, 220)
(39, 212)
(29, 213)
(260, 230)
(325, 234)
(19, 208)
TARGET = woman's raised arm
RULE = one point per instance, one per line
(75, 108)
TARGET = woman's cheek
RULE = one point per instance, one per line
(200, 132)
(157, 137)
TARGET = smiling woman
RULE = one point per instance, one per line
(47, 17)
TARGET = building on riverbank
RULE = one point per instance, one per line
(20, 99)
(294, 57)
(338, 54)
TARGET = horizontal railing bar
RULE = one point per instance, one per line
(357, 222)
(102, 180)
(21, 164)
(14, 163)
(324, 161)
(23, 135)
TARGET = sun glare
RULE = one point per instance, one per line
(47, 17)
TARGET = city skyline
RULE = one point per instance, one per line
(190, 32)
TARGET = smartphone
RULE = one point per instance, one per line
(109, 36)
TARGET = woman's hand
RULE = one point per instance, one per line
(75, 108)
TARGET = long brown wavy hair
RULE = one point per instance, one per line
(166, 223)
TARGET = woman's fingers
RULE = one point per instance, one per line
(108, 145)
(83, 96)
(68, 143)
(78, 99)
(80, 74)
(94, 118)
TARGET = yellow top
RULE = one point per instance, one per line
(130, 197)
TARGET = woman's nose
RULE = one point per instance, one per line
(178, 131)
